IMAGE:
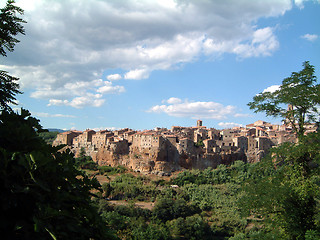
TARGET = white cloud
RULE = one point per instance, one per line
(271, 89)
(90, 100)
(105, 128)
(195, 110)
(78, 94)
(108, 88)
(48, 115)
(85, 101)
(242, 115)
(74, 42)
(173, 100)
(310, 37)
(262, 42)
(137, 74)
(299, 3)
(58, 102)
(229, 124)
(114, 77)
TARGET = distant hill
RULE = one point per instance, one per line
(56, 130)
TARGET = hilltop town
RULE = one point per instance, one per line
(162, 151)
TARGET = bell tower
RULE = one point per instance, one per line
(199, 123)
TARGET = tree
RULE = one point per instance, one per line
(288, 197)
(296, 100)
(10, 26)
(43, 195)
(8, 90)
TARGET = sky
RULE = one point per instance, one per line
(141, 64)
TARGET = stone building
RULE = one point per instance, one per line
(199, 123)
(147, 140)
(100, 138)
(65, 138)
(185, 144)
(84, 139)
(241, 142)
(210, 145)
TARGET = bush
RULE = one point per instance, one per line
(167, 209)
(192, 227)
(111, 170)
(151, 232)
(86, 162)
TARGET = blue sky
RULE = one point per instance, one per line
(144, 64)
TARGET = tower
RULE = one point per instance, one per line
(199, 123)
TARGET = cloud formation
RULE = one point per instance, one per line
(92, 100)
(114, 77)
(271, 89)
(108, 88)
(72, 42)
(310, 37)
(206, 110)
(229, 124)
(48, 115)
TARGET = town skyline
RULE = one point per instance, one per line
(162, 151)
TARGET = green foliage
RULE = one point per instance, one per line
(287, 199)
(107, 189)
(133, 212)
(126, 186)
(111, 170)
(167, 209)
(192, 227)
(300, 91)
(312, 235)
(10, 26)
(36, 175)
(8, 90)
(82, 152)
(150, 232)
(116, 220)
(86, 162)
(256, 235)
(238, 172)
(199, 143)
(48, 137)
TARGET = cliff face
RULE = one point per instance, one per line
(165, 160)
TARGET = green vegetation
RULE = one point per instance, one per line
(129, 187)
(10, 26)
(108, 170)
(199, 143)
(241, 201)
(48, 137)
(194, 210)
(85, 162)
(288, 198)
(300, 91)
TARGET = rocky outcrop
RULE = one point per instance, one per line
(165, 160)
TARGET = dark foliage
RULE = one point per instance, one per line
(43, 196)
(10, 26)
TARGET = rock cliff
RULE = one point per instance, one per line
(164, 161)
